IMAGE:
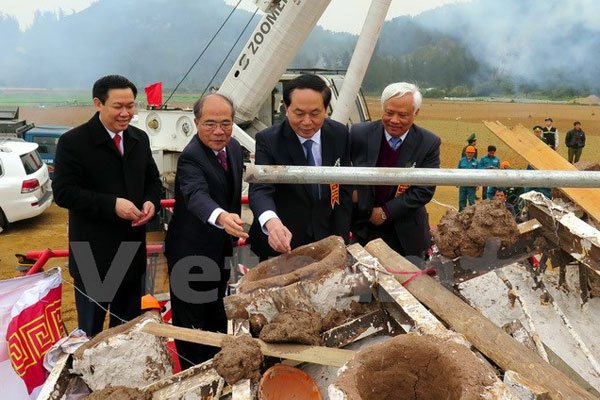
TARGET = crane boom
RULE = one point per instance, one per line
(269, 51)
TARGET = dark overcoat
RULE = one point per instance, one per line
(420, 149)
(89, 175)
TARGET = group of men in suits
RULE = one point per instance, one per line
(206, 218)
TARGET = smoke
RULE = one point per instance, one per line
(544, 42)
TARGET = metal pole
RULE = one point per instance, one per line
(421, 176)
(360, 59)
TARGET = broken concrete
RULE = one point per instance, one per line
(465, 233)
(415, 367)
(240, 358)
(123, 356)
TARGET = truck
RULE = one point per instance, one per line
(46, 136)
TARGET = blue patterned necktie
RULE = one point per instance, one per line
(395, 142)
(310, 160)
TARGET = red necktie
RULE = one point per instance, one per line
(222, 159)
(117, 140)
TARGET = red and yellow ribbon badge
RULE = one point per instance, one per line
(335, 189)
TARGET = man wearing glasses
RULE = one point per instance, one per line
(205, 223)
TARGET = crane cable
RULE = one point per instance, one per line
(203, 51)
(229, 53)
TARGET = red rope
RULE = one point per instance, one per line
(415, 274)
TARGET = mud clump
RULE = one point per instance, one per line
(118, 393)
(240, 358)
(465, 233)
(415, 367)
(293, 326)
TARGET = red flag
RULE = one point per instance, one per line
(35, 325)
(154, 94)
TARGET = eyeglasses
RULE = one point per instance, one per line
(212, 125)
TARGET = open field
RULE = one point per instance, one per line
(452, 121)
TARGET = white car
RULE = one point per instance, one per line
(25, 187)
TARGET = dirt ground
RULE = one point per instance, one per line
(452, 121)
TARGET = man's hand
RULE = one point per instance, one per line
(375, 218)
(127, 210)
(355, 196)
(279, 236)
(233, 224)
(148, 213)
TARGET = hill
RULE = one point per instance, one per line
(481, 47)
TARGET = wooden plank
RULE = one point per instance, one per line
(542, 157)
(489, 339)
(297, 352)
(424, 322)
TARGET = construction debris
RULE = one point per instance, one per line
(101, 362)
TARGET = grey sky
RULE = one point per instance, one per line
(341, 15)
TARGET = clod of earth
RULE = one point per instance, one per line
(119, 393)
(240, 358)
(415, 367)
(293, 326)
(465, 233)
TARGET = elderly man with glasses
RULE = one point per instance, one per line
(206, 221)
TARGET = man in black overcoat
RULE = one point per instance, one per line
(106, 177)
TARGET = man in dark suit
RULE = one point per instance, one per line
(106, 176)
(396, 214)
(206, 219)
(287, 216)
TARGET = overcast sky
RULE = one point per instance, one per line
(341, 15)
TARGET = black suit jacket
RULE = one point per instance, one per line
(279, 145)
(201, 186)
(420, 149)
(89, 175)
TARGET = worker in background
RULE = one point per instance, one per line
(471, 141)
(395, 214)
(206, 222)
(575, 142)
(500, 195)
(466, 194)
(287, 216)
(489, 161)
(550, 133)
(491, 190)
(106, 177)
(538, 131)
